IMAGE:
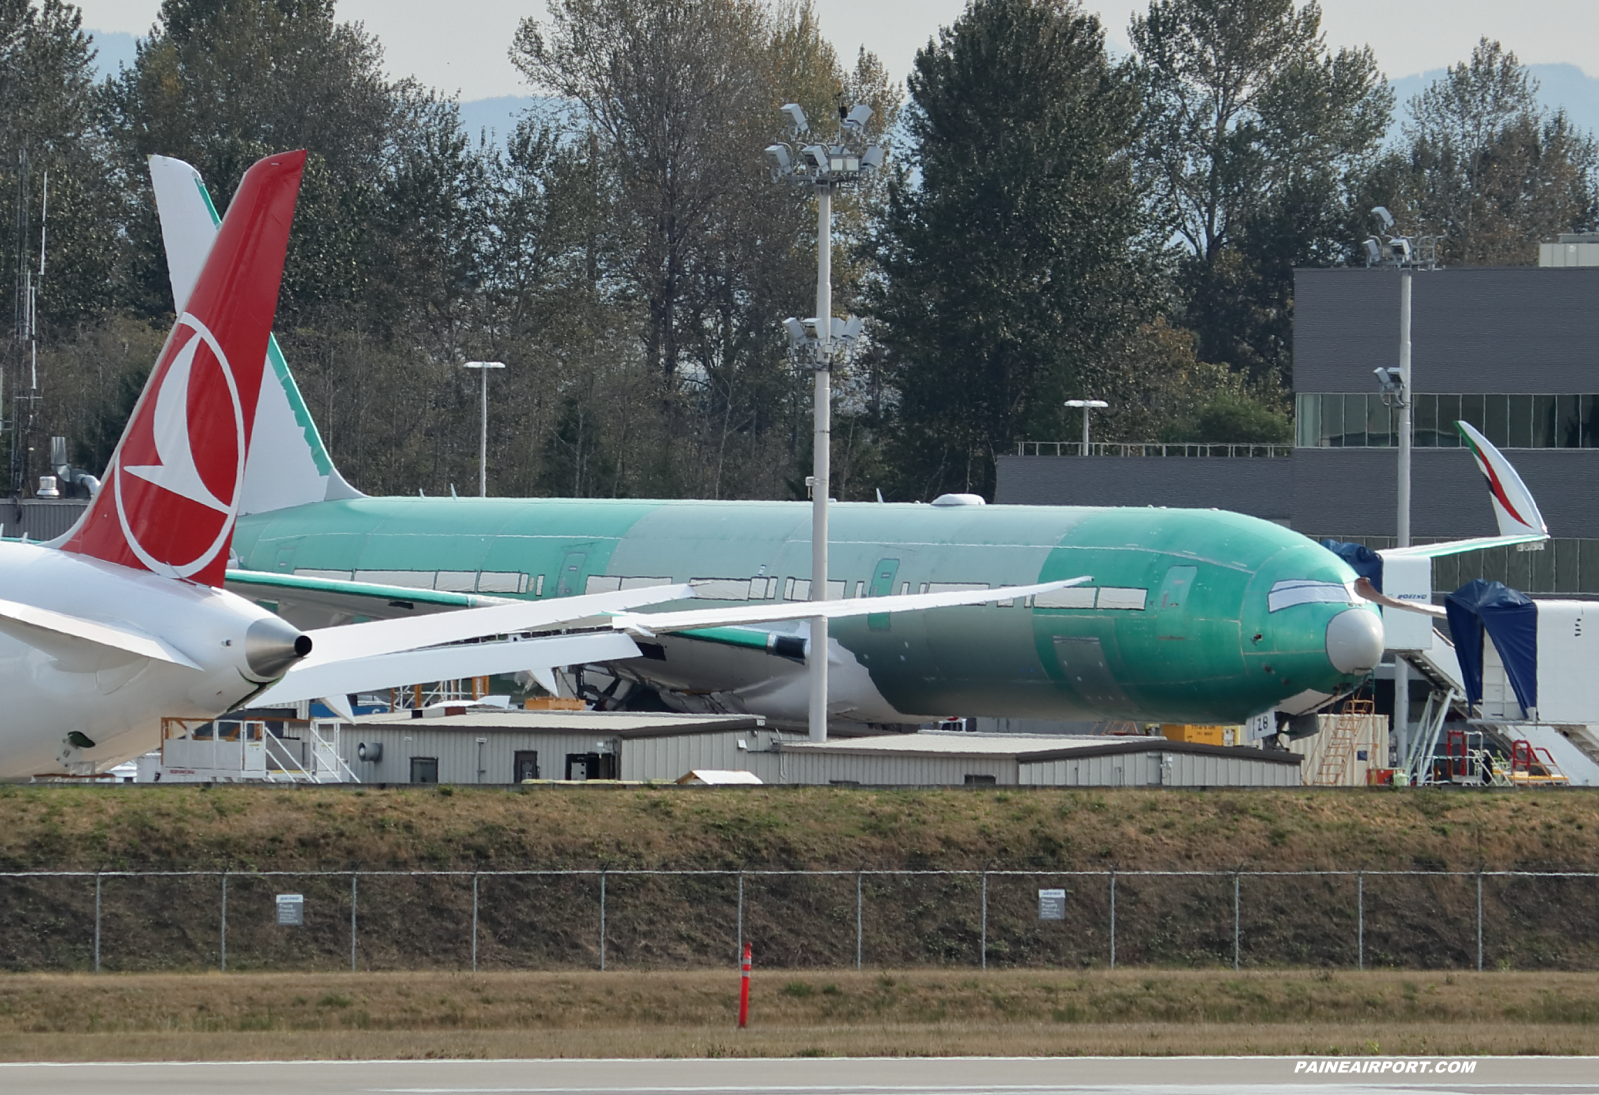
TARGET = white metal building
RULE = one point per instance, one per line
(937, 758)
(485, 745)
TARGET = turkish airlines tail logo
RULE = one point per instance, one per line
(171, 494)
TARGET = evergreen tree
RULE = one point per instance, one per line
(1012, 247)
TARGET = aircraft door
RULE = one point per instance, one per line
(1171, 605)
(571, 575)
(882, 586)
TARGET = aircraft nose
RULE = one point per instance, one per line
(1355, 641)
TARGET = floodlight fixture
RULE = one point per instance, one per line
(1086, 405)
(1382, 214)
(1373, 248)
(815, 156)
(872, 158)
(778, 156)
(1401, 247)
(1389, 381)
(796, 118)
(857, 118)
(796, 331)
(852, 329)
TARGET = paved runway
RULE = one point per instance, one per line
(825, 1076)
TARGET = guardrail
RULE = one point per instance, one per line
(603, 917)
(1153, 448)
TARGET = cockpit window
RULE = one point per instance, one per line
(1301, 591)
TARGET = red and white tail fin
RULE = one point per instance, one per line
(1514, 507)
(171, 494)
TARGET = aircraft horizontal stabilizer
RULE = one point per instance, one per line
(379, 602)
(90, 631)
(647, 624)
(369, 640)
(332, 681)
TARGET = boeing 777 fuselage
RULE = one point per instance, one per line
(1194, 615)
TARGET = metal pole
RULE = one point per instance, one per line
(353, 895)
(222, 947)
(602, 919)
(474, 922)
(1113, 918)
(1085, 431)
(483, 443)
(97, 923)
(858, 933)
(1236, 930)
(1479, 921)
(822, 457)
(984, 929)
(1402, 524)
(1360, 919)
(741, 910)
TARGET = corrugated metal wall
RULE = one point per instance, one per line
(918, 770)
(1160, 769)
(677, 755)
(457, 752)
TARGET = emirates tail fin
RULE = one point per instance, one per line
(172, 491)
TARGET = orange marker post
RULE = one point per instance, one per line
(744, 992)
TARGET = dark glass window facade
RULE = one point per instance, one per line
(1509, 421)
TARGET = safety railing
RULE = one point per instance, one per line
(637, 918)
(1153, 448)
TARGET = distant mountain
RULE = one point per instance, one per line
(1558, 86)
(113, 49)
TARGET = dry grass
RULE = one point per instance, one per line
(166, 1016)
(339, 827)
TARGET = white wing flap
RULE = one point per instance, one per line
(368, 640)
(540, 655)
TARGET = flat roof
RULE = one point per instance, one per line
(616, 724)
(1027, 748)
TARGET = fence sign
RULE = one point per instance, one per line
(1052, 904)
(291, 909)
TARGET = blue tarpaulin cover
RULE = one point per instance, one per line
(1361, 559)
(1511, 619)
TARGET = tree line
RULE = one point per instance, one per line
(1053, 222)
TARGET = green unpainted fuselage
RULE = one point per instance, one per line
(1179, 630)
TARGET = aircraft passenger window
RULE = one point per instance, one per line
(538, 586)
(904, 588)
(860, 590)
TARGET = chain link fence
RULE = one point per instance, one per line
(679, 919)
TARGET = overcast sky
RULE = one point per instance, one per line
(460, 45)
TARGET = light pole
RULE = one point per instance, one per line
(827, 168)
(1087, 405)
(1395, 388)
(483, 436)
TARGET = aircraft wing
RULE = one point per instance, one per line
(22, 619)
(332, 681)
(390, 653)
(337, 595)
(648, 624)
(1520, 522)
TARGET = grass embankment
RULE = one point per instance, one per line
(243, 828)
(164, 1016)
